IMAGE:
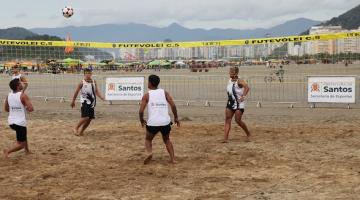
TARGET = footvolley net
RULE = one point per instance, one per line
(202, 64)
(304, 38)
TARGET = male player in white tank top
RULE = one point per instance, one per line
(16, 74)
(158, 117)
(16, 103)
(88, 91)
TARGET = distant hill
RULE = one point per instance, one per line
(348, 20)
(44, 53)
(15, 33)
(175, 32)
(44, 37)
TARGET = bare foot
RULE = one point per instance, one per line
(225, 141)
(173, 162)
(79, 134)
(148, 159)
(75, 132)
(247, 139)
(28, 152)
(6, 154)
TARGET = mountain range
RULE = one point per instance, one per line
(141, 33)
(175, 32)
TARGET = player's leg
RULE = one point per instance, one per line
(20, 140)
(85, 125)
(228, 117)
(79, 124)
(17, 147)
(87, 114)
(238, 119)
(148, 143)
(165, 132)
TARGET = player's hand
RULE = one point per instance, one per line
(177, 122)
(143, 123)
(102, 98)
(242, 98)
(72, 104)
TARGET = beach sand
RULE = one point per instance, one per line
(298, 153)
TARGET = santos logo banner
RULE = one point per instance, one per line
(124, 88)
(330, 89)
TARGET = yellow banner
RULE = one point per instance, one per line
(151, 45)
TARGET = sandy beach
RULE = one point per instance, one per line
(298, 153)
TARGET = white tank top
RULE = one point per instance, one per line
(158, 112)
(238, 92)
(16, 110)
(87, 94)
(16, 77)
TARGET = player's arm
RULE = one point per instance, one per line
(173, 107)
(144, 101)
(246, 89)
(78, 88)
(6, 105)
(97, 92)
(23, 80)
(26, 102)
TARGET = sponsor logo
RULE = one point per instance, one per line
(158, 104)
(131, 88)
(337, 89)
(111, 87)
(315, 87)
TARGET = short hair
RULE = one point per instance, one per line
(234, 70)
(154, 80)
(14, 84)
(87, 70)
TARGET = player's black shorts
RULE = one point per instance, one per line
(21, 132)
(231, 107)
(87, 111)
(164, 130)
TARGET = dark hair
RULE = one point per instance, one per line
(86, 70)
(14, 84)
(154, 80)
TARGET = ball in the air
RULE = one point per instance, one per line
(68, 11)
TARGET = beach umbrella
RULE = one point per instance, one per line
(10, 64)
(159, 63)
(154, 63)
(71, 61)
(26, 64)
(180, 63)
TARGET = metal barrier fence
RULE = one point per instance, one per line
(189, 89)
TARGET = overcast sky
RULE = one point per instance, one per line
(239, 14)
